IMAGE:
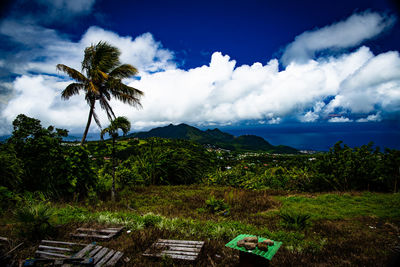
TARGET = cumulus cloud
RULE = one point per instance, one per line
(353, 84)
(340, 119)
(344, 34)
(372, 117)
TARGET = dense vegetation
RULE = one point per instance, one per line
(36, 159)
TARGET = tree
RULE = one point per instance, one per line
(42, 162)
(112, 130)
(101, 80)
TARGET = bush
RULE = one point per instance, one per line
(34, 220)
(151, 219)
(217, 206)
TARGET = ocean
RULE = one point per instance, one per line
(322, 136)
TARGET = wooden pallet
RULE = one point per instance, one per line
(102, 234)
(90, 253)
(176, 249)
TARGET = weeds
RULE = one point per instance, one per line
(217, 206)
(295, 221)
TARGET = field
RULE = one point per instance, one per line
(344, 229)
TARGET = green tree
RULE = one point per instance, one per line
(101, 80)
(48, 165)
(112, 130)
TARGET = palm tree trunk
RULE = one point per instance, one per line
(88, 122)
(113, 171)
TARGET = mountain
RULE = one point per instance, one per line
(216, 138)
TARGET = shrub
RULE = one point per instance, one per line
(151, 219)
(217, 206)
(34, 220)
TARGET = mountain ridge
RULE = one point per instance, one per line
(216, 138)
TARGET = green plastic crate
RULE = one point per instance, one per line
(265, 254)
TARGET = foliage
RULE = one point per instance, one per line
(295, 221)
(36, 159)
(161, 161)
(217, 206)
(341, 169)
(34, 220)
(7, 198)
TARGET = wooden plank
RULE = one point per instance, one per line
(177, 245)
(51, 254)
(114, 259)
(105, 258)
(62, 243)
(177, 252)
(109, 231)
(94, 236)
(180, 242)
(117, 228)
(178, 257)
(197, 250)
(94, 251)
(99, 255)
(43, 247)
(83, 251)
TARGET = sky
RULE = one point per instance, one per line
(207, 63)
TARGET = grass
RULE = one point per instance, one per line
(344, 206)
(346, 229)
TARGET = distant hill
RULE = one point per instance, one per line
(216, 138)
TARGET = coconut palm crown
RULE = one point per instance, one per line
(118, 123)
(100, 79)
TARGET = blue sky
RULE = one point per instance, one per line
(208, 63)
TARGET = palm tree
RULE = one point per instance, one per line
(101, 80)
(112, 130)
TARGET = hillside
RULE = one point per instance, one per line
(216, 138)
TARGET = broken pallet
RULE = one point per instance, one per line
(102, 234)
(176, 249)
(90, 254)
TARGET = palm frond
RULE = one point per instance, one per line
(73, 73)
(96, 119)
(103, 132)
(125, 93)
(71, 89)
(92, 88)
(123, 71)
(106, 106)
(101, 56)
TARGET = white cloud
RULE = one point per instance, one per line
(340, 119)
(372, 117)
(344, 34)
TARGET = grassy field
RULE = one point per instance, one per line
(343, 229)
